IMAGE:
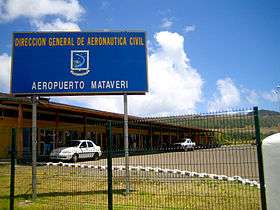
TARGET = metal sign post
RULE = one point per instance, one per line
(126, 145)
(13, 160)
(109, 163)
(34, 146)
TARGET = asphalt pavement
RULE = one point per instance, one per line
(229, 161)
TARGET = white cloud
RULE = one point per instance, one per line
(12, 9)
(175, 87)
(270, 96)
(105, 103)
(5, 72)
(70, 10)
(167, 23)
(189, 28)
(228, 97)
(56, 25)
(251, 96)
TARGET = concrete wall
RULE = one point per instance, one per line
(271, 158)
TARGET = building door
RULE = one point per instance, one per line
(27, 139)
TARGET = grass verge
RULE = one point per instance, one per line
(61, 188)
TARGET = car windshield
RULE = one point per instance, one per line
(184, 140)
(72, 144)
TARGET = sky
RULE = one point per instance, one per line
(203, 56)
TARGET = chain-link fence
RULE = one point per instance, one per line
(219, 171)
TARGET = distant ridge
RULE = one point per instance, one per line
(264, 112)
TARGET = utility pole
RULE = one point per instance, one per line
(277, 92)
(126, 144)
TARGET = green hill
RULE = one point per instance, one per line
(233, 125)
(264, 112)
(269, 121)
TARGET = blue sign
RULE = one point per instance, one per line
(79, 63)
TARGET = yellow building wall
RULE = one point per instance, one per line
(6, 125)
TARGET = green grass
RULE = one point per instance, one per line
(62, 188)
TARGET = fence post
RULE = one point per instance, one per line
(34, 147)
(13, 158)
(109, 164)
(260, 158)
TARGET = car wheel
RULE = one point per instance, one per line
(75, 158)
(95, 156)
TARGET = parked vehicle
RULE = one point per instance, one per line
(185, 144)
(75, 150)
(254, 143)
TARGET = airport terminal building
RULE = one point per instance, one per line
(59, 123)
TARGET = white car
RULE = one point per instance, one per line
(75, 150)
(185, 144)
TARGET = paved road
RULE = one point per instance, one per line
(229, 161)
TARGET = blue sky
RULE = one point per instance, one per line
(202, 55)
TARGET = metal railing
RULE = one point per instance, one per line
(222, 172)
